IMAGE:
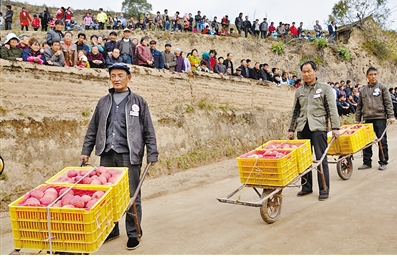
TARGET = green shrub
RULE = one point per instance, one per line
(278, 47)
(377, 48)
(344, 53)
(321, 42)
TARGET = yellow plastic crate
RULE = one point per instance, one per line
(267, 172)
(120, 194)
(304, 151)
(73, 230)
(347, 144)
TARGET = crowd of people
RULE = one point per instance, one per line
(166, 22)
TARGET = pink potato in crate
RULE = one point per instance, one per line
(46, 201)
(66, 199)
(86, 198)
(68, 206)
(107, 175)
(96, 182)
(90, 204)
(58, 204)
(98, 194)
(77, 202)
(36, 193)
(77, 178)
(31, 202)
(100, 170)
(52, 196)
(87, 180)
(102, 179)
(63, 178)
(52, 190)
(64, 189)
(112, 180)
(113, 172)
(72, 173)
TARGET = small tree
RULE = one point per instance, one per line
(348, 11)
(136, 7)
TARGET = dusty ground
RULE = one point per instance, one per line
(182, 216)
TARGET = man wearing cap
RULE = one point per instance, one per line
(169, 58)
(158, 59)
(126, 47)
(238, 73)
(110, 44)
(119, 147)
(10, 51)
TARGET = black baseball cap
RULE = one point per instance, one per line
(120, 66)
(152, 42)
(113, 33)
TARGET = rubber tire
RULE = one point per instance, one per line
(345, 168)
(1, 165)
(271, 207)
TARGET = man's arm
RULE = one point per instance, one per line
(387, 103)
(359, 108)
(149, 136)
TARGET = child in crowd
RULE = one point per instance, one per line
(34, 53)
(35, 22)
(82, 61)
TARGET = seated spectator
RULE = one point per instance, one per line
(113, 58)
(143, 56)
(352, 103)
(206, 30)
(343, 106)
(35, 53)
(73, 25)
(23, 42)
(238, 73)
(69, 50)
(256, 72)
(95, 58)
(309, 36)
(229, 71)
(188, 67)
(284, 78)
(266, 76)
(94, 42)
(54, 55)
(298, 83)
(220, 67)
(393, 100)
(203, 66)
(180, 62)
(158, 59)
(80, 43)
(277, 79)
(194, 59)
(82, 60)
(140, 25)
(10, 51)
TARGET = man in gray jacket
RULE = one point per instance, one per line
(314, 104)
(263, 28)
(54, 55)
(374, 106)
(169, 58)
(120, 129)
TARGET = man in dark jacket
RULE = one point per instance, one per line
(157, 56)
(8, 17)
(126, 47)
(56, 34)
(239, 23)
(198, 20)
(110, 44)
(44, 19)
(263, 28)
(80, 43)
(247, 26)
(245, 71)
(120, 129)
(228, 62)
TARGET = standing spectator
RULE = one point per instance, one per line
(101, 18)
(198, 20)
(67, 16)
(113, 57)
(158, 59)
(220, 67)
(126, 47)
(56, 34)
(375, 106)
(60, 13)
(35, 22)
(87, 21)
(24, 19)
(125, 136)
(228, 62)
(225, 22)
(175, 22)
(263, 28)
(143, 56)
(300, 29)
(190, 22)
(10, 51)
(34, 54)
(123, 21)
(44, 19)
(215, 26)
(166, 20)
(194, 59)
(256, 28)
(1, 21)
(280, 29)
(393, 100)
(81, 37)
(308, 120)
(169, 58)
(53, 55)
(8, 17)
(247, 29)
(157, 18)
(271, 28)
(69, 50)
(95, 58)
(317, 29)
(293, 30)
(332, 30)
(239, 23)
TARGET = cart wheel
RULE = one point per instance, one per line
(271, 207)
(1, 165)
(345, 167)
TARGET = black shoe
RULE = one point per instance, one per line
(112, 237)
(322, 197)
(364, 167)
(132, 243)
(302, 193)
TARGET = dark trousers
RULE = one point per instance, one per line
(113, 159)
(239, 30)
(318, 140)
(379, 127)
(8, 25)
(263, 34)
(44, 26)
(27, 28)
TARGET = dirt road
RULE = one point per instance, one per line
(360, 217)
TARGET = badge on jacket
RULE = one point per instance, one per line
(376, 92)
(134, 110)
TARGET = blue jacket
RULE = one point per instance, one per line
(158, 59)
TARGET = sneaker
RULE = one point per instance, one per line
(322, 197)
(364, 167)
(112, 237)
(132, 243)
(382, 167)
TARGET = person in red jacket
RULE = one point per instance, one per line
(293, 30)
(24, 18)
(143, 56)
(35, 22)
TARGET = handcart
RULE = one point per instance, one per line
(105, 233)
(344, 163)
(271, 196)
